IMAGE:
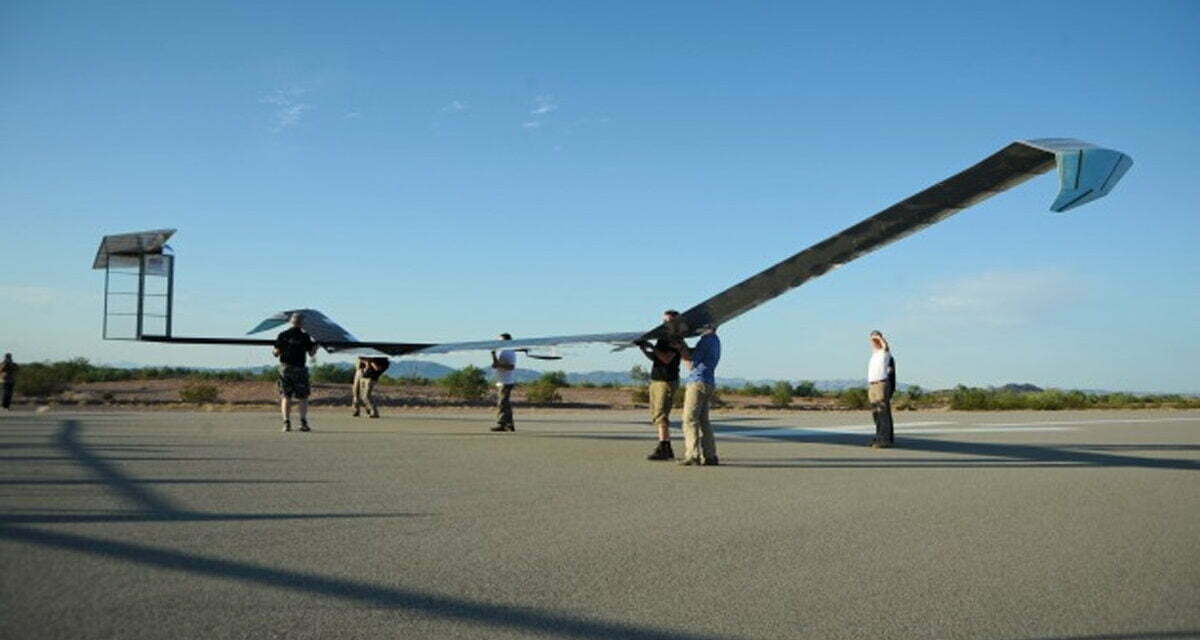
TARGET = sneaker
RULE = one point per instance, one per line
(711, 462)
(287, 426)
(662, 452)
(881, 444)
(501, 427)
(689, 462)
(304, 425)
(374, 415)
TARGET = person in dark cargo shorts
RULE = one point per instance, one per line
(293, 347)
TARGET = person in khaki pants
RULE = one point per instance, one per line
(700, 446)
(366, 376)
(881, 384)
(664, 380)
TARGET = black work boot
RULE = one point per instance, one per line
(304, 425)
(287, 426)
(662, 451)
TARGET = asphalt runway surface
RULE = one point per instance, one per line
(1080, 525)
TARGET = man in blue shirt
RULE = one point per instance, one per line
(700, 447)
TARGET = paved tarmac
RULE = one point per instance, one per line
(1080, 525)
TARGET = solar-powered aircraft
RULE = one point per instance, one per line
(1086, 172)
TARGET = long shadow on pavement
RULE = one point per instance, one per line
(156, 507)
(1001, 454)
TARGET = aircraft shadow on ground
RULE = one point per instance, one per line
(983, 454)
(975, 454)
(153, 507)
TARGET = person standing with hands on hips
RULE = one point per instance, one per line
(881, 384)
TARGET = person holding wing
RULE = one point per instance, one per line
(505, 365)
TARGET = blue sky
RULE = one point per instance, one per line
(445, 171)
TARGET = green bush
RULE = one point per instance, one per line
(199, 392)
(975, 399)
(332, 373)
(640, 395)
(806, 389)
(854, 398)
(756, 390)
(555, 379)
(468, 383)
(781, 394)
(543, 391)
(37, 380)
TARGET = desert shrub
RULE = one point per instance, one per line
(976, 399)
(756, 390)
(38, 380)
(915, 393)
(781, 394)
(968, 399)
(332, 373)
(806, 389)
(639, 375)
(542, 391)
(545, 389)
(199, 392)
(1191, 402)
(468, 383)
(556, 379)
(854, 398)
(639, 395)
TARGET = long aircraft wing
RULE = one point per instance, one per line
(1086, 172)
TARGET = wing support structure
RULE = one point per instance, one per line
(1086, 172)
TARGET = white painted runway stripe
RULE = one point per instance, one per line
(870, 429)
(917, 428)
(1104, 421)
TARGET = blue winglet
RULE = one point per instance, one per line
(1085, 172)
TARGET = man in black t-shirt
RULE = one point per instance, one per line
(664, 380)
(293, 347)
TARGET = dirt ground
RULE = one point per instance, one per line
(165, 394)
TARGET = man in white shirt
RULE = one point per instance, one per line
(505, 365)
(881, 384)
